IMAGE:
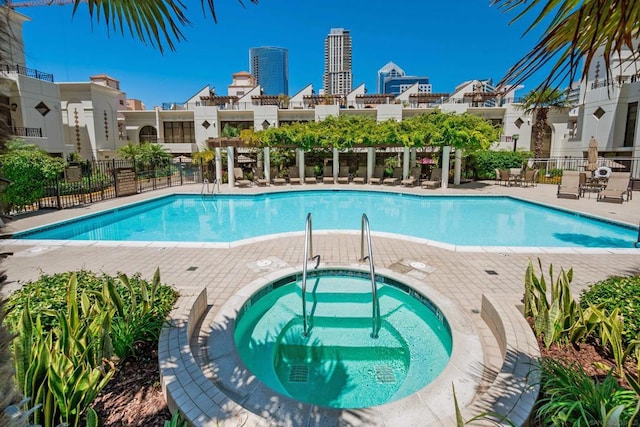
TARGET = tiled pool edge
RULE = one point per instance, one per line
(188, 389)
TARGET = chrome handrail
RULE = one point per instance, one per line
(308, 248)
(215, 183)
(375, 318)
(637, 244)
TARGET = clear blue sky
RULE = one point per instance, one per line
(450, 42)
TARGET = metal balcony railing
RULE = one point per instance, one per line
(26, 132)
(24, 71)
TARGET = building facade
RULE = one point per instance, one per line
(337, 78)
(397, 85)
(388, 71)
(270, 68)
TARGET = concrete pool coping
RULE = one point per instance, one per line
(219, 390)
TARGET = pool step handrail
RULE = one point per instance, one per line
(215, 183)
(637, 244)
(366, 232)
(308, 251)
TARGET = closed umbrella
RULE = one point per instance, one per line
(592, 155)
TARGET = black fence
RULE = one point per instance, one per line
(92, 181)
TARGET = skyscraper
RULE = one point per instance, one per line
(270, 67)
(388, 71)
(337, 78)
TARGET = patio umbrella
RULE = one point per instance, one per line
(592, 155)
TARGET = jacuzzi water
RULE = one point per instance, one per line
(339, 364)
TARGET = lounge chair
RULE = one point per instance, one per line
(239, 177)
(570, 185)
(434, 181)
(378, 175)
(310, 175)
(395, 179)
(343, 176)
(259, 177)
(413, 178)
(361, 175)
(617, 187)
(327, 176)
(275, 179)
(294, 177)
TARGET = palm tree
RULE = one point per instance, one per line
(576, 31)
(538, 103)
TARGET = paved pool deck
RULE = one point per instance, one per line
(461, 274)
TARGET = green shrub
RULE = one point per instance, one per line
(486, 162)
(570, 397)
(621, 293)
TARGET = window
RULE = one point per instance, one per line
(148, 134)
(630, 129)
(179, 132)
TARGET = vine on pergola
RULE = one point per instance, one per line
(464, 131)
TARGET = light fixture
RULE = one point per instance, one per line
(14, 106)
(42, 108)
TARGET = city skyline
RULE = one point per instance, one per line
(432, 40)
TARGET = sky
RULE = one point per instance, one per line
(450, 42)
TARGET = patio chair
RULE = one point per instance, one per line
(275, 179)
(294, 176)
(240, 179)
(530, 177)
(395, 179)
(327, 176)
(413, 179)
(378, 175)
(343, 176)
(498, 176)
(259, 177)
(617, 187)
(310, 175)
(361, 175)
(570, 185)
(434, 181)
(515, 176)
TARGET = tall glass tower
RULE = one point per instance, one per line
(270, 67)
(337, 78)
(390, 70)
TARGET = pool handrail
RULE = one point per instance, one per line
(375, 318)
(214, 183)
(308, 250)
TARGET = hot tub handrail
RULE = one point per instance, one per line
(366, 231)
(308, 250)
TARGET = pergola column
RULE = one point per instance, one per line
(446, 154)
(300, 155)
(371, 162)
(457, 167)
(405, 163)
(218, 165)
(230, 166)
(267, 164)
(414, 156)
(336, 164)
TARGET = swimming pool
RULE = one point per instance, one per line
(456, 220)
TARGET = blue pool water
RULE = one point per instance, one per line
(458, 220)
(338, 364)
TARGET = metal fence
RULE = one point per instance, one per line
(92, 181)
(550, 168)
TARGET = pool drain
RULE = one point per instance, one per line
(299, 374)
(385, 375)
(264, 263)
(418, 264)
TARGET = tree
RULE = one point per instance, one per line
(577, 30)
(538, 103)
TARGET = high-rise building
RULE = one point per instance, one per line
(388, 71)
(337, 78)
(397, 85)
(270, 67)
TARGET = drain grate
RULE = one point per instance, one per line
(299, 374)
(491, 272)
(385, 375)
(192, 268)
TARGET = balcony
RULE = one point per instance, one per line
(24, 71)
(26, 132)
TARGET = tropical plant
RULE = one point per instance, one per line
(538, 104)
(552, 317)
(176, 421)
(576, 31)
(570, 397)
